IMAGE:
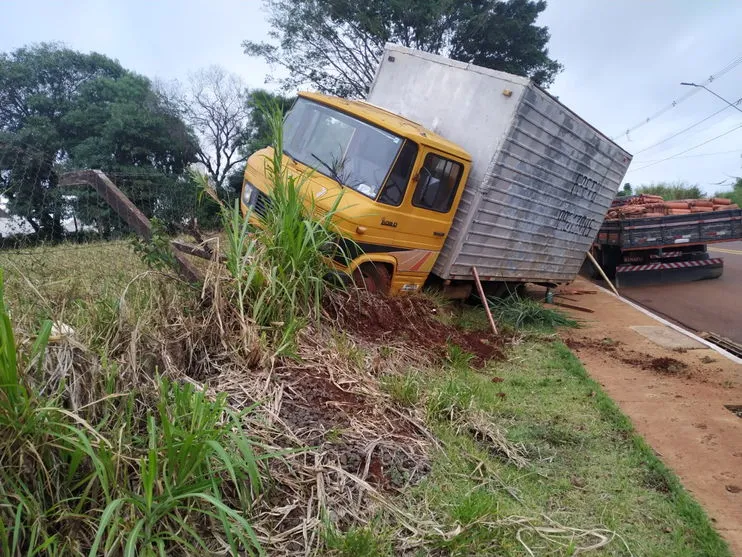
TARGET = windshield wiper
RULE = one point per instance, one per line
(335, 175)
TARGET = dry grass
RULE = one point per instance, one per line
(343, 443)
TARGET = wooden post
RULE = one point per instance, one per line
(126, 210)
(484, 299)
(117, 199)
(600, 270)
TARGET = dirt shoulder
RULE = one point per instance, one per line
(676, 399)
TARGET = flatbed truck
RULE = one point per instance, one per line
(664, 249)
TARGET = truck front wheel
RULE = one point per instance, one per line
(374, 277)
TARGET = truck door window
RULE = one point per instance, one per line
(436, 187)
(396, 184)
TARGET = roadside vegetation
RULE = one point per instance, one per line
(672, 191)
(735, 194)
(520, 452)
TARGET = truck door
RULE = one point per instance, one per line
(436, 188)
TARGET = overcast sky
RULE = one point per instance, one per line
(624, 61)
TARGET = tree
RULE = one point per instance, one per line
(60, 110)
(670, 191)
(258, 129)
(626, 191)
(215, 105)
(735, 195)
(502, 36)
(335, 45)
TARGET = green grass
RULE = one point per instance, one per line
(123, 464)
(357, 542)
(670, 191)
(403, 389)
(586, 466)
(520, 312)
(71, 282)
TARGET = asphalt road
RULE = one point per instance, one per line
(708, 305)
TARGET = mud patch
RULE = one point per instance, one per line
(667, 365)
(664, 365)
(410, 320)
(314, 404)
(604, 345)
(323, 414)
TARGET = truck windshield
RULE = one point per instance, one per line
(351, 152)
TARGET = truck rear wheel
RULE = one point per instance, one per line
(374, 277)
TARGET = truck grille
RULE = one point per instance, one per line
(262, 203)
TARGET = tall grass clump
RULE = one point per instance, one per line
(520, 312)
(153, 468)
(193, 453)
(280, 268)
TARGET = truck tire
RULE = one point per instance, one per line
(373, 277)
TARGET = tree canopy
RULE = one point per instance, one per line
(335, 45)
(735, 194)
(61, 109)
(215, 104)
(671, 191)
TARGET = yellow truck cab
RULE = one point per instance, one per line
(400, 185)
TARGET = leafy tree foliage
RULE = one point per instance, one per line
(626, 191)
(61, 109)
(335, 45)
(502, 36)
(259, 134)
(670, 191)
(735, 195)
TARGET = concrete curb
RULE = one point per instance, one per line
(673, 326)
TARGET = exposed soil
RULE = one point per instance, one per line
(667, 365)
(316, 402)
(321, 414)
(411, 320)
(676, 401)
(615, 349)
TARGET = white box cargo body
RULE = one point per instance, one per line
(541, 180)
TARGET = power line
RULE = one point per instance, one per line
(726, 69)
(669, 137)
(738, 151)
(676, 155)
